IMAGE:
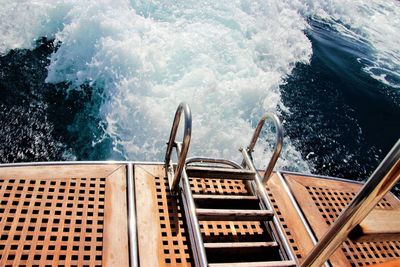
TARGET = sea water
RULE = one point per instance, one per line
(92, 80)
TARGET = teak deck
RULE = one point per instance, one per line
(69, 215)
(63, 216)
(163, 237)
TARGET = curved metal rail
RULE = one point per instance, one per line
(174, 177)
(278, 142)
(213, 161)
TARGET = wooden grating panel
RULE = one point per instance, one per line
(53, 216)
(218, 186)
(330, 203)
(170, 213)
(162, 234)
(286, 222)
(56, 221)
(323, 200)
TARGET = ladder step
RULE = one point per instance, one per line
(223, 197)
(242, 251)
(233, 215)
(241, 245)
(219, 173)
(226, 202)
(255, 264)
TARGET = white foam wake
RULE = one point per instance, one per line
(226, 59)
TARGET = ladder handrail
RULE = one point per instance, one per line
(180, 179)
(174, 177)
(213, 161)
(379, 183)
(278, 142)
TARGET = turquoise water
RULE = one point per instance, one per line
(90, 80)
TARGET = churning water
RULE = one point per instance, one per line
(101, 79)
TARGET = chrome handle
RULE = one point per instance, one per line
(278, 142)
(174, 178)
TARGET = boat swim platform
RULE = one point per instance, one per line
(121, 214)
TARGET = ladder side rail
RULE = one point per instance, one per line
(262, 194)
(132, 222)
(278, 142)
(381, 181)
(196, 238)
(174, 177)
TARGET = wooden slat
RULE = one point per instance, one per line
(255, 264)
(58, 171)
(149, 235)
(237, 245)
(116, 231)
(220, 173)
(233, 215)
(394, 263)
(379, 225)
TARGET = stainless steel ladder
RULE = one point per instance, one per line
(262, 210)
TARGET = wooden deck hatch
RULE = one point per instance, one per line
(63, 216)
(322, 200)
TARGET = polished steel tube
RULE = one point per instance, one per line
(196, 238)
(213, 161)
(133, 242)
(187, 129)
(380, 182)
(278, 142)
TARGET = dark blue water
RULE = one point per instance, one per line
(341, 120)
(42, 121)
